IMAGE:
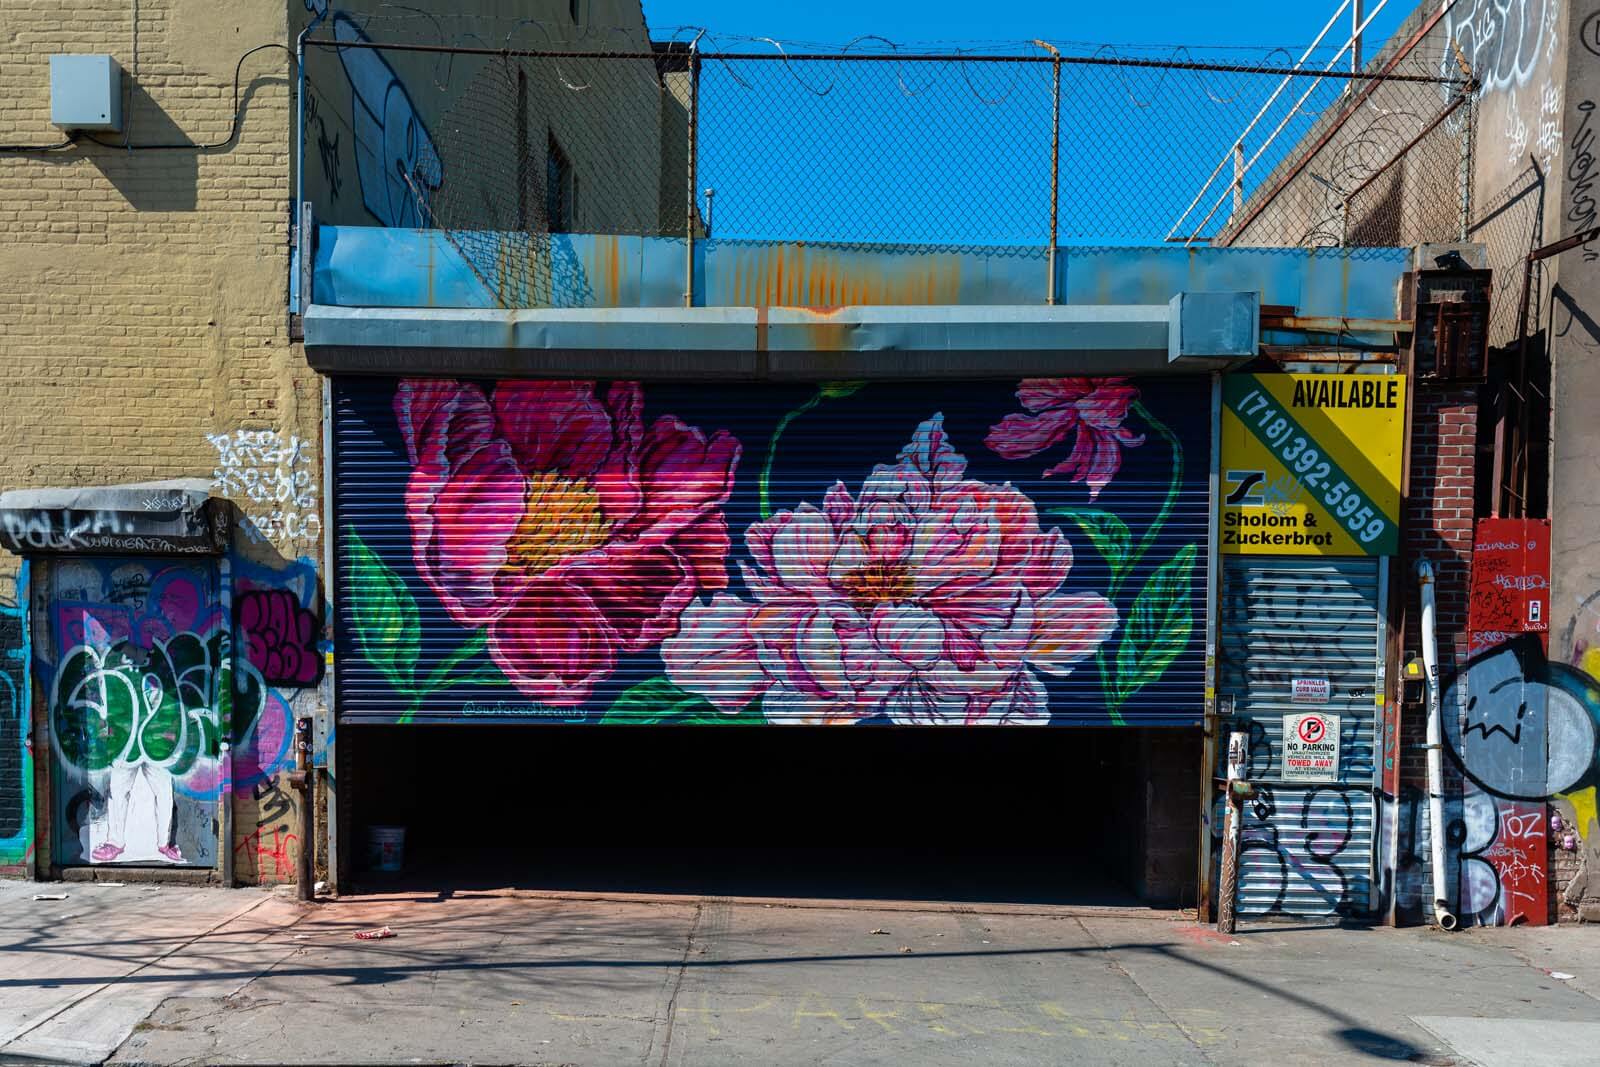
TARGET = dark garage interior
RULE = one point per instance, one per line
(1103, 817)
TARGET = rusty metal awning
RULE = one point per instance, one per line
(174, 516)
(1193, 332)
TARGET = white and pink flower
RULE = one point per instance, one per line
(930, 598)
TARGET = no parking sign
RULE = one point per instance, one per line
(1311, 747)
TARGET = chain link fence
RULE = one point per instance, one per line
(877, 145)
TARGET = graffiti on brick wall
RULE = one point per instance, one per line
(271, 477)
(1580, 821)
(980, 555)
(16, 765)
(1524, 731)
(280, 637)
(397, 164)
(278, 619)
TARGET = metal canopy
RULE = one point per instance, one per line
(174, 516)
(1192, 332)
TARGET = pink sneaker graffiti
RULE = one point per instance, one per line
(169, 851)
(106, 853)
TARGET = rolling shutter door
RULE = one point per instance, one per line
(1306, 849)
(1137, 540)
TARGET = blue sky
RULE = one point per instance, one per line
(960, 155)
(1251, 23)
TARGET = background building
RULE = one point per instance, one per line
(579, 381)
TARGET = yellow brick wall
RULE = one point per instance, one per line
(143, 294)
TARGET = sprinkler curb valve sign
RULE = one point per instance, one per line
(1311, 747)
(1310, 691)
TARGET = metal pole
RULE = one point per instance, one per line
(300, 145)
(1238, 179)
(1228, 891)
(1355, 35)
(326, 594)
(301, 779)
(690, 212)
(1469, 92)
(1055, 167)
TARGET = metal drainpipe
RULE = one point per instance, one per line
(1430, 662)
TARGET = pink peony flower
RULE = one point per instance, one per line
(556, 520)
(1094, 407)
(929, 598)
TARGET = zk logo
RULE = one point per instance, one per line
(1245, 488)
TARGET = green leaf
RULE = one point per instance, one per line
(1109, 534)
(656, 701)
(839, 390)
(383, 614)
(1159, 625)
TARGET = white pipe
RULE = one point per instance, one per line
(1430, 662)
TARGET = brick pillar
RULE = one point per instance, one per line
(1438, 520)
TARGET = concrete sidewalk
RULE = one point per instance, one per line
(170, 975)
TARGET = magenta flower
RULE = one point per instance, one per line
(557, 521)
(1093, 407)
(929, 598)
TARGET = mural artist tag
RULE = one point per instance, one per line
(1311, 747)
(1311, 464)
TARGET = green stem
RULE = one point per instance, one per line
(443, 676)
(1174, 487)
(772, 451)
(474, 645)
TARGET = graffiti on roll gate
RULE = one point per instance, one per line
(146, 688)
(985, 553)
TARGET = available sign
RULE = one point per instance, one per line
(1311, 747)
(1311, 464)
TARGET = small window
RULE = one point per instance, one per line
(560, 189)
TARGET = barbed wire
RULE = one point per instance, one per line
(548, 129)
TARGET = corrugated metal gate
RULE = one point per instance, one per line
(1306, 849)
(892, 552)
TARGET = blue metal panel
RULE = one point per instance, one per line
(377, 267)
(883, 552)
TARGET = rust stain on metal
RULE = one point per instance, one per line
(796, 275)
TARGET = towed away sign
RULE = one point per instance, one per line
(1311, 747)
(1311, 464)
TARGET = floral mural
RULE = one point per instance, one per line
(633, 553)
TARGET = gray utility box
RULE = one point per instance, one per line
(85, 93)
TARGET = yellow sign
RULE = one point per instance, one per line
(1311, 464)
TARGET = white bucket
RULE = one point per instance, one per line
(386, 848)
